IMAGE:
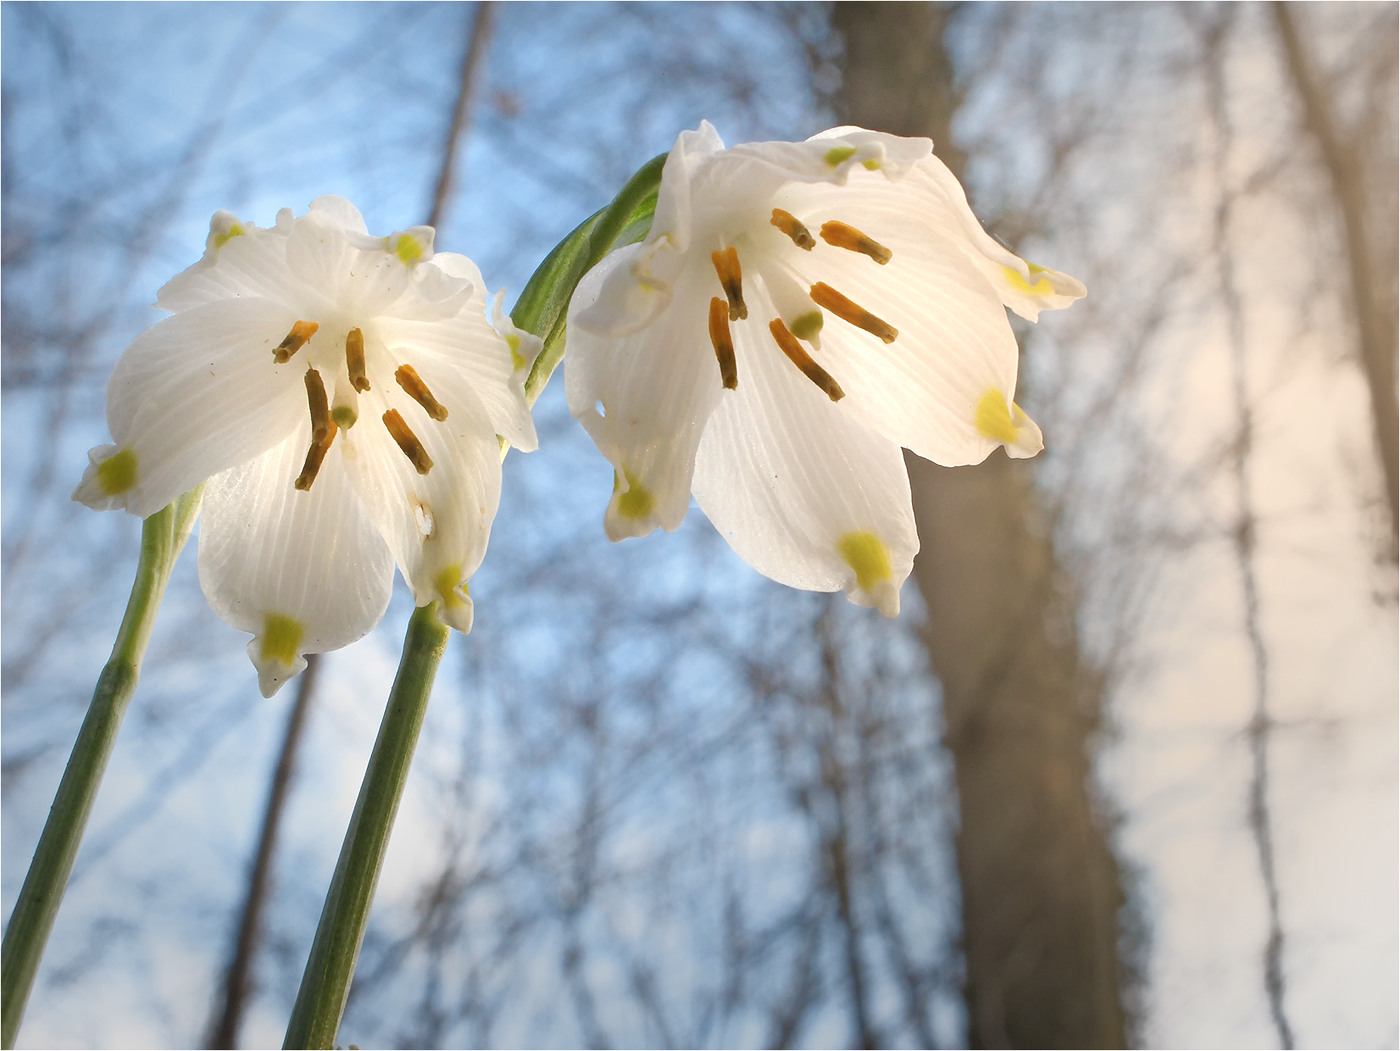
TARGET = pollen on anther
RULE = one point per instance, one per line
(799, 357)
(841, 235)
(408, 442)
(826, 296)
(790, 225)
(355, 359)
(723, 344)
(296, 339)
(731, 279)
(323, 430)
(413, 385)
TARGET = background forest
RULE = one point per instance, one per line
(1124, 769)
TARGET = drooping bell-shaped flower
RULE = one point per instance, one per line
(798, 312)
(342, 394)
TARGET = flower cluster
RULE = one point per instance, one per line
(343, 395)
(798, 312)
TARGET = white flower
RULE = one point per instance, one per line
(686, 360)
(342, 394)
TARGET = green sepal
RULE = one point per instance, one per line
(543, 306)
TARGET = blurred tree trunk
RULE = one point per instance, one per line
(1374, 310)
(1039, 884)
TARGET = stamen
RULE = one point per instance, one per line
(723, 344)
(731, 279)
(839, 235)
(408, 442)
(355, 359)
(826, 296)
(788, 224)
(296, 339)
(799, 357)
(322, 430)
(415, 388)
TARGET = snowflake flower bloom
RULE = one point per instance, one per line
(798, 312)
(343, 395)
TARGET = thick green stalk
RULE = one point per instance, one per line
(326, 983)
(162, 537)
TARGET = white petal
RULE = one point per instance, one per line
(341, 212)
(894, 155)
(198, 393)
(656, 389)
(1029, 440)
(631, 288)
(414, 245)
(633, 285)
(672, 218)
(827, 159)
(363, 282)
(466, 357)
(1025, 289)
(954, 341)
(524, 347)
(251, 263)
(448, 285)
(437, 524)
(305, 572)
(798, 487)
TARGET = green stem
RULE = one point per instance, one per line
(162, 537)
(543, 305)
(326, 983)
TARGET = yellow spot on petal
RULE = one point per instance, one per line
(281, 638)
(447, 582)
(409, 250)
(517, 359)
(867, 554)
(117, 474)
(1020, 284)
(807, 325)
(638, 501)
(837, 154)
(871, 165)
(222, 239)
(993, 418)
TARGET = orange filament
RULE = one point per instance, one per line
(322, 430)
(416, 389)
(355, 359)
(826, 296)
(723, 344)
(731, 279)
(799, 357)
(408, 442)
(839, 235)
(296, 339)
(788, 224)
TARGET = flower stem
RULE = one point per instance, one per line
(544, 302)
(326, 983)
(162, 536)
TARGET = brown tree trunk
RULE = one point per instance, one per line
(1375, 319)
(1040, 886)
